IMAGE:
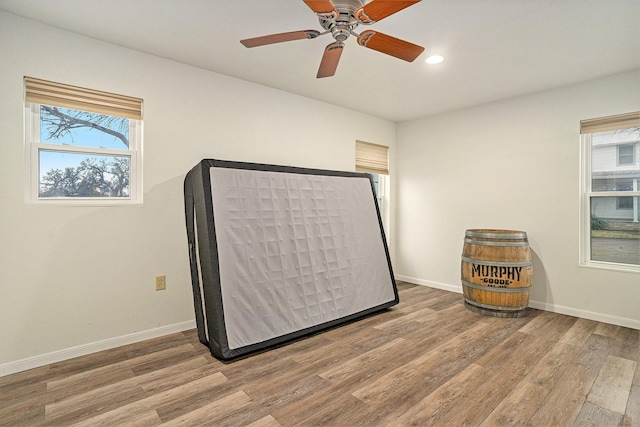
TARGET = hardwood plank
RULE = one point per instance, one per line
(119, 371)
(209, 415)
(594, 416)
(522, 402)
(594, 352)
(167, 361)
(382, 389)
(27, 414)
(551, 327)
(267, 421)
(537, 323)
(371, 338)
(632, 413)
(143, 407)
(155, 345)
(331, 406)
(607, 329)
(548, 371)
(509, 364)
(18, 380)
(579, 332)
(68, 413)
(444, 301)
(18, 395)
(407, 385)
(183, 373)
(268, 400)
(351, 330)
(361, 362)
(336, 398)
(451, 322)
(114, 355)
(564, 402)
(281, 390)
(626, 344)
(263, 365)
(449, 402)
(189, 402)
(145, 419)
(613, 384)
(416, 295)
(518, 406)
(416, 315)
(401, 285)
(104, 398)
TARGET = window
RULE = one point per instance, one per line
(81, 146)
(374, 159)
(624, 202)
(625, 154)
(610, 177)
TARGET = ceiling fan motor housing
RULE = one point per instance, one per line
(342, 27)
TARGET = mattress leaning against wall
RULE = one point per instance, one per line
(279, 252)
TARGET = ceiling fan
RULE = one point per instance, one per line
(340, 19)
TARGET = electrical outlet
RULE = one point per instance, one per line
(161, 283)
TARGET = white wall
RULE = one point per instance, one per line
(512, 164)
(78, 279)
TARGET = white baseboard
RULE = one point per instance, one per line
(540, 305)
(429, 283)
(82, 350)
(576, 312)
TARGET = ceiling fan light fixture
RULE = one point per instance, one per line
(434, 59)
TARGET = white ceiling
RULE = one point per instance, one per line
(493, 49)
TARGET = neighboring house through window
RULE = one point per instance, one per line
(82, 146)
(610, 169)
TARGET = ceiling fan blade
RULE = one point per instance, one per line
(390, 45)
(330, 60)
(281, 37)
(322, 6)
(377, 10)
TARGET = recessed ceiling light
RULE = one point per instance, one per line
(434, 59)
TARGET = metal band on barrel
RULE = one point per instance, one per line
(492, 289)
(493, 243)
(498, 263)
(494, 307)
(507, 236)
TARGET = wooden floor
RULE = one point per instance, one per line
(427, 361)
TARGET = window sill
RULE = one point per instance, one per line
(601, 265)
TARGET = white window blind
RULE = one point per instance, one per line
(372, 158)
(50, 93)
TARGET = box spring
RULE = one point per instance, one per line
(279, 252)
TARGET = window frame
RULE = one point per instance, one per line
(586, 196)
(33, 146)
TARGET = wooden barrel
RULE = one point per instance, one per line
(496, 272)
